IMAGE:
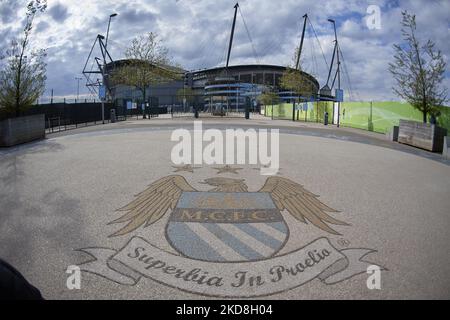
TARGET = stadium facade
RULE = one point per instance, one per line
(231, 88)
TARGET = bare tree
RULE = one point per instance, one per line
(148, 64)
(418, 70)
(22, 80)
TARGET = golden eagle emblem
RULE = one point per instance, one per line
(226, 223)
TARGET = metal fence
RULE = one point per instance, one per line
(192, 105)
(66, 116)
(306, 112)
(70, 113)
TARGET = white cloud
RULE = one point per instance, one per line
(197, 31)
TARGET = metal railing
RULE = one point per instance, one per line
(54, 125)
(42, 101)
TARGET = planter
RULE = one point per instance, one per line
(422, 135)
(15, 131)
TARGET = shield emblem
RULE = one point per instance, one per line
(232, 227)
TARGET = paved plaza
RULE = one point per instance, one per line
(109, 200)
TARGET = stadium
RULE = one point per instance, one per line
(234, 86)
(219, 90)
(231, 88)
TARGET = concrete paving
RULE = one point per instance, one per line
(58, 196)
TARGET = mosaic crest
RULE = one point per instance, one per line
(227, 223)
(226, 241)
(217, 226)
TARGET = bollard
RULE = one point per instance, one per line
(325, 119)
(112, 116)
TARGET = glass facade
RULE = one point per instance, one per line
(227, 95)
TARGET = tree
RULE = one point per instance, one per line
(418, 70)
(148, 64)
(269, 98)
(22, 79)
(295, 81)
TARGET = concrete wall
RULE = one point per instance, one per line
(20, 130)
(446, 148)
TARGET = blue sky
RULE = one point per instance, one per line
(196, 32)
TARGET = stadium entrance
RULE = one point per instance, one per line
(219, 107)
(221, 98)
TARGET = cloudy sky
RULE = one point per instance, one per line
(196, 32)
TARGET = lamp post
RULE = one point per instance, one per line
(338, 68)
(109, 24)
(78, 87)
(101, 85)
(106, 46)
(334, 25)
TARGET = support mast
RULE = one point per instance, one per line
(232, 33)
(297, 66)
